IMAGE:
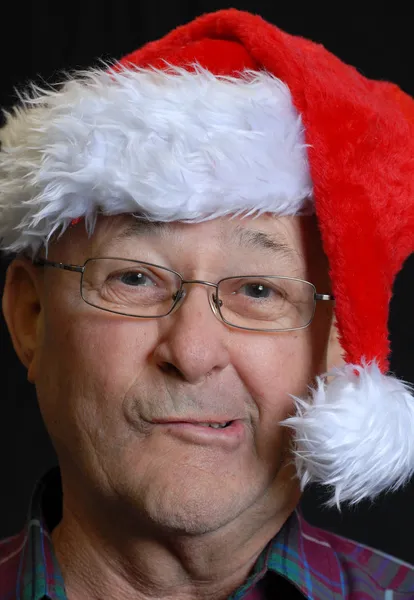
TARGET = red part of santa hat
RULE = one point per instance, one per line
(353, 434)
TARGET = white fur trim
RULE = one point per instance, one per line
(356, 434)
(171, 145)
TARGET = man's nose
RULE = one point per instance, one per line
(192, 340)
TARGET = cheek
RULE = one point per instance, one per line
(84, 340)
(274, 366)
(88, 362)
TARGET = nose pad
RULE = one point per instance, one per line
(179, 295)
(215, 304)
(177, 298)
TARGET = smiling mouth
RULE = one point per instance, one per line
(227, 434)
(212, 424)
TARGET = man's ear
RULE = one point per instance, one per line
(335, 351)
(22, 310)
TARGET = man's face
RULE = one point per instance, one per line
(115, 391)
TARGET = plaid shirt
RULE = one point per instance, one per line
(302, 561)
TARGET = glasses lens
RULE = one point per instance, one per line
(266, 303)
(129, 287)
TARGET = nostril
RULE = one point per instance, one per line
(170, 369)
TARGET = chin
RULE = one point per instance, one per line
(194, 506)
(194, 517)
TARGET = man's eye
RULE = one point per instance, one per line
(257, 290)
(134, 278)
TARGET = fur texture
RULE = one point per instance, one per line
(355, 434)
(169, 145)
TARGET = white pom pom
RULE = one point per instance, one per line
(356, 434)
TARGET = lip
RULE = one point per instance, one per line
(229, 438)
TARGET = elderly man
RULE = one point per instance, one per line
(184, 223)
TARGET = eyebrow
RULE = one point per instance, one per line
(256, 239)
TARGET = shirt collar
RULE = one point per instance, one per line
(39, 573)
(300, 554)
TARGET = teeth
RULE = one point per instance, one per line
(214, 425)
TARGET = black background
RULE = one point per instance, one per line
(40, 40)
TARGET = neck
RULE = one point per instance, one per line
(100, 561)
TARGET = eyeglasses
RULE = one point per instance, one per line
(147, 291)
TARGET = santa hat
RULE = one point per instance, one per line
(230, 115)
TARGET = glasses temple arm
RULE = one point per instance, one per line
(324, 297)
(57, 265)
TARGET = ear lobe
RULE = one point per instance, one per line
(22, 311)
(334, 351)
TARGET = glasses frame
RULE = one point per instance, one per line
(214, 300)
